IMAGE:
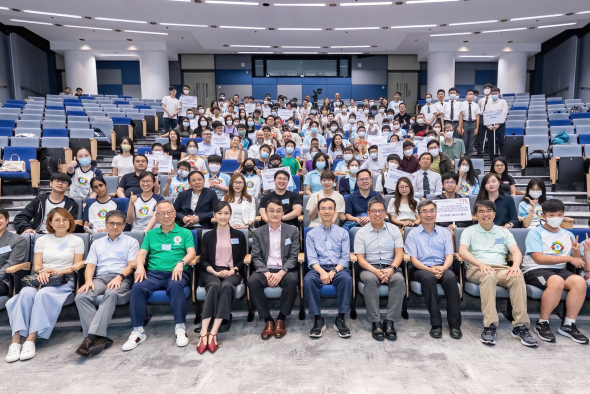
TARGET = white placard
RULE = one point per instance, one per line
(268, 177)
(455, 210)
(285, 113)
(390, 148)
(392, 176)
(164, 163)
(493, 117)
(189, 102)
(221, 141)
(249, 108)
(265, 112)
(377, 139)
(422, 147)
(359, 115)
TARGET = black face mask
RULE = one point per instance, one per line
(249, 167)
(275, 164)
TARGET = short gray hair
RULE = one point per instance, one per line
(114, 213)
(424, 203)
(373, 201)
(164, 202)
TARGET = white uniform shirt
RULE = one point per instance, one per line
(97, 212)
(48, 207)
(456, 105)
(144, 211)
(172, 104)
(428, 115)
(81, 183)
(474, 110)
(498, 104)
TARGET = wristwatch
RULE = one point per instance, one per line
(122, 276)
(183, 263)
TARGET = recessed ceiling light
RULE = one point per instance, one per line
(52, 14)
(582, 12)
(300, 53)
(35, 22)
(230, 2)
(471, 23)
(510, 42)
(427, 1)
(560, 24)
(357, 28)
(501, 30)
(251, 46)
(534, 17)
(475, 56)
(251, 53)
(300, 47)
(345, 53)
(82, 39)
(412, 26)
(300, 5)
(242, 27)
(118, 54)
(87, 17)
(89, 27)
(367, 3)
(146, 32)
(300, 28)
(118, 20)
(450, 34)
(129, 39)
(352, 46)
(182, 24)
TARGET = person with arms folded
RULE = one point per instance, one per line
(108, 273)
(94, 213)
(194, 207)
(129, 183)
(292, 203)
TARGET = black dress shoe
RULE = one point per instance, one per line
(456, 333)
(99, 345)
(83, 349)
(378, 331)
(389, 330)
(436, 332)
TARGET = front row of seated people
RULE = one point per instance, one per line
(378, 245)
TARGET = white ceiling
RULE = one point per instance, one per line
(212, 40)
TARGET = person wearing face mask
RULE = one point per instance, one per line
(469, 122)
(185, 99)
(193, 158)
(373, 127)
(409, 162)
(289, 160)
(342, 166)
(467, 184)
(420, 127)
(252, 176)
(193, 120)
(454, 148)
(313, 183)
(529, 210)
(184, 128)
(481, 134)
(171, 107)
(452, 111)
(202, 124)
(291, 136)
(178, 183)
(393, 161)
(380, 115)
(342, 116)
(314, 131)
(394, 105)
(439, 107)
(229, 127)
(243, 136)
(496, 132)
(441, 163)
(544, 266)
(450, 180)
(373, 164)
(426, 181)
(347, 184)
(82, 171)
(263, 162)
(123, 163)
(438, 131)
(428, 111)
(217, 181)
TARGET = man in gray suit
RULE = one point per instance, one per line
(112, 259)
(274, 256)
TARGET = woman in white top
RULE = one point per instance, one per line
(209, 111)
(336, 149)
(327, 178)
(468, 183)
(236, 151)
(196, 163)
(123, 163)
(82, 172)
(530, 210)
(34, 313)
(243, 206)
(140, 213)
(252, 175)
(402, 208)
(428, 111)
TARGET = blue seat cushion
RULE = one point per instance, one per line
(416, 288)
(240, 291)
(273, 293)
(160, 297)
(15, 175)
(328, 291)
(473, 290)
(535, 293)
(383, 290)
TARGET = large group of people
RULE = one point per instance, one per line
(332, 147)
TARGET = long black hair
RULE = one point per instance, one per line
(541, 184)
(470, 178)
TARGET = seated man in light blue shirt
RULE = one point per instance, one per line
(430, 248)
(112, 259)
(314, 133)
(327, 247)
(206, 148)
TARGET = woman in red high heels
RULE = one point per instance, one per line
(222, 257)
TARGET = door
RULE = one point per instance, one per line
(407, 85)
(202, 85)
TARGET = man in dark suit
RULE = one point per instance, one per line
(194, 207)
(274, 256)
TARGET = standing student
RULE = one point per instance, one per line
(428, 110)
(123, 163)
(171, 107)
(530, 209)
(141, 207)
(186, 93)
(483, 107)
(469, 122)
(496, 132)
(82, 171)
(439, 108)
(452, 111)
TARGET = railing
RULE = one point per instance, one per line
(554, 93)
(31, 90)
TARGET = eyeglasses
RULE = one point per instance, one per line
(116, 224)
(364, 179)
(273, 212)
(146, 182)
(330, 209)
(429, 212)
(206, 134)
(165, 214)
(60, 221)
(403, 187)
(450, 183)
(238, 183)
(377, 211)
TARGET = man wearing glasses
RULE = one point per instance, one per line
(108, 273)
(169, 250)
(357, 202)
(206, 148)
(379, 248)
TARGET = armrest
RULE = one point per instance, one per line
(567, 223)
(113, 140)
(144, 127)
(19, 267)
(195, 261)
(300, 257)
(248, 259)
(258, 218)
(588, 186)
(406, 257)
(300, 218)
(79, 265)
(93, 148)
(458, 257)
(523, 156)
(130, 131)
(353, 257)
(553, 169)
(35, 172)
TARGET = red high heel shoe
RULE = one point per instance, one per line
(212, 345)
(202, 346)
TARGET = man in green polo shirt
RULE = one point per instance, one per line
(169, 250)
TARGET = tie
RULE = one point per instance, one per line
(484, 104)
(452, 110)
(469, 105)
(425, 184)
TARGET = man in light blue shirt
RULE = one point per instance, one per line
(328, 255)
(314, 133)
(430, 248)
(111, 258)
(206, 148)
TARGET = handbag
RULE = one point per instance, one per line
(54, 281)
(14, 165)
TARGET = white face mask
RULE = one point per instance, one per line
(333, 128)
(186, 91)
(465, 169)
(347, 156)
(361, 134)
(381, 110)
(204, 123)
(214, 167)
(290, 125)
(449, 134)
(535, 194)
(420, 121)
(555, 222)
(354, 170)
(434, 152)
(201, 111)
(192, 150)
(437, 130)
(412, 121)
(393, 165)
(487, 91)
(366, 111)
(396, 126)
(371, 121)
(229, 123)
(408, 152)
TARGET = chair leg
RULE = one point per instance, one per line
(353, 305)
(250, 317)
(405, 315)
(226, 324)
(301, 309)
(198, 315)
(508, 313)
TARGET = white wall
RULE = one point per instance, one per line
(559, 69)
(5, 78)
(584, 70)
(31, 71)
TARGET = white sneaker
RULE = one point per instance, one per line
(13, 352)
(181, 338)
(28, 351)
(134, 339)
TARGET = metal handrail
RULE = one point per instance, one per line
(554, 93)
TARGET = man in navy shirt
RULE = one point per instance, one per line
(356, 203)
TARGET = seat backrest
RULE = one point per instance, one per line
(24, 153)
(54, 124)
(4, 141)
(81, 133)
(536, 130)
(536, 117)
(55, 117)
(135, 116)
(515, 123)
(151, 112)
(77, 118)
(32, 124)
(581, 122)
(537, 123)
(55, 142)
(121, 121)
(556, 129)
(306, 218)
(6, 131)
(559, 116)
(32, 116)
(25, 141)
(520, 238)
(55, 133)
(583, 129)
(536, 142)
(567, 150)
(79, 125)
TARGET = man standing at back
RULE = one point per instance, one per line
(171, 107)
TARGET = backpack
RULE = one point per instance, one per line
(561, 138)
(98, 132)
(49, 166)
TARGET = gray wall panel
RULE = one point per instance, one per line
(369, 77)
(584, 69)
(5, 77)
(241, 90)
(232, 62)
(559, 69)
(369, 63)
(290, 91)
(465, 77)
(31, 70)
(109, 77)
(132, 90)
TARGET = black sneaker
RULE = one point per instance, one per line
(543, 331)
(83, 349)
(340, 326)
(318, 328)
(522, 333)
(488, 335)
(573, 333)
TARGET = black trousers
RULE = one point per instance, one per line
(480, 138)
(448, 281)
(258, 282)
(497, 141)
(221, 294)
(3, 289)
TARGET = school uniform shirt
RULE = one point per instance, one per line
(428, 111)
(394, 105)
(467, 189)
(372, 165)
(499, 104)
(379, 187)
(96, 213)
(81, 181)
(48, 207)
(523, 212)
(177, 185)
(253, 184)
(456, 106)
(434, 182)
(197, 164)
(124, 165)
(58, 253)
(223, 180)
(144, 211)
(439, 107)
(549, 243)
(475, 110)
(172, 104)
(483, 104)
(312, 179)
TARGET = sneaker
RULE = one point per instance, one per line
(318, 328)
(28, 351)
(181, 338)
(488, 335)
(340, 326)
(543, 331)
(13, 352)
(572, 332)
(134, 339)
(524, 335)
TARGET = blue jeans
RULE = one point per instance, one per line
(170, 123)
(312, 286)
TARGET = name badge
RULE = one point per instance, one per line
(390, 244)
(5, 249)
(499, 241)
(62, 247)
(285, 201)
(166, 247)
(235, 241)
(288, 241)
(328, 245)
